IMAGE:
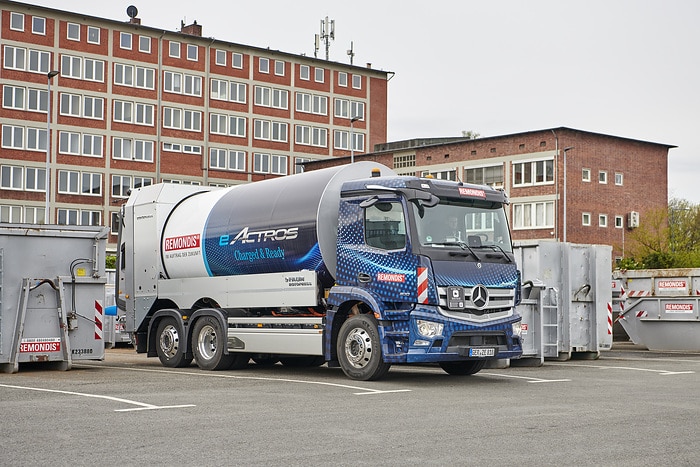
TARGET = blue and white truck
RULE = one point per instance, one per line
(348, 265)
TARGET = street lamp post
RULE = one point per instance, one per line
(352, 139)
(50, 75)
(565, 149)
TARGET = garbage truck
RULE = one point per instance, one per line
(348, 265)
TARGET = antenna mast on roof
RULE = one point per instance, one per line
(351, 52)
(327, 35)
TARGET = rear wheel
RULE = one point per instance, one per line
(169, 347)
(359, 349)
(468, 367)
(208, 342)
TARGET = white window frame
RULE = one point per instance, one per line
(12, 136)
(172, 82)
(237, 126)
(124, 74)
(93, 107)
(192, 120)
(192, 53)
(356, 81)
(619, 178)
(36, 139)
(94, 70)
(603, 177)
(533, 215)
(237, 60)
(218, 124)
(534, 167)
(35, 179)
(227, 159)
(145, 44)
(144, 78)
(586, 219)
(36, 22)
(240, 95)
(143, 114)
(220, 57)
(192, 85)
(16, 21)
(14, 176)
(38, 100)
(586, 175)
(619, 222)
(172, 118)
(218, 89)
(602, 220)
(264, 65)
(123, 111)
(263, 96)
(14, 58)
(71, 66)
(304, 72)
(14, 97)
(342, 79)
(279, 67)
(174, 49)
(92, 30)
(10, 213)
(71, 101)
(73, 32)
(39, 61)
(319, 75)
(95, 145)
(69, 142)
(125, 40)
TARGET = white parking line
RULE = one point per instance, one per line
(141, 405)
(364, 391)
(649, 370)
(528, 378)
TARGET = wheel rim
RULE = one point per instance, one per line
(169, 341)
(206, 342)
(358, 348)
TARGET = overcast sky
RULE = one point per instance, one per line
(627, 68)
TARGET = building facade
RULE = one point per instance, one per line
(564, 184)
(126, 105)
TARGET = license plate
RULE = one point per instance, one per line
(486, 352)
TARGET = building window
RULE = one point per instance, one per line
(279, 68)
(15, 58)
(93, 107)
(68, 142)
(538, 215)
(12, 137)
(319, 75)
(603, 177)
(342, 79)
(304, 72)
(236, 126)
(38, 100)
(586, 218)
(76, 217)
(36, 139)
(220, 57)
(603, 220)
(11, 214)
(125, 40)
(218, 89)
(71, 66)
(193, 85)
(13, 97)
(619, 222)
(123, 74)
(16, 21)
(311, 103)
(192, 120)
(226, 160)
(586, 175)
(533, 173)
(79, 183)
(93, 35)
(264, 65)
(192, 52)
(70, 104)
(145, 77)
(341, 140)
(123, 111)
(172, 118)
(618, 178)
(357, 82)
(311, 136)
(217, 124)
(405, 160)
(299, 164)
(39, 25)
(145, 44)
(94, 70)
(174, 49)
(236, 60)
(35, 179)
(39, 61)
(262, 96)
(172, 82)
(73, 32)
(11, 177)
(269, 163)
(349, 109)
(143, 114)
(238, 92)
(492, 176)
(121, 184)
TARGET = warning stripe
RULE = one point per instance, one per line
(641, 314)
(610, 319)
(422, 285)
(98, 320)
(638, 293)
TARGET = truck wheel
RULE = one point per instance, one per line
(464, 368)
(169, 347)
(208, 343)
(359, 349)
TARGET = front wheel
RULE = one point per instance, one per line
(208, 341)
(169, 347)
(359, 349)
(467, 367)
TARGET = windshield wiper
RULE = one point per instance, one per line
(497, 248)
(462, 245)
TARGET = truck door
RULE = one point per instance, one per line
(387, 267)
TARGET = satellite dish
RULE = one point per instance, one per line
(132, 11)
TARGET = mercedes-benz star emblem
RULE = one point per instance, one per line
(480, 297)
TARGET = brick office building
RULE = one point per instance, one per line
(133, 105)
(611, 182)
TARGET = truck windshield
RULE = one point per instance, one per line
(458, 222)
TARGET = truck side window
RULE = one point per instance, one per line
(385, 227)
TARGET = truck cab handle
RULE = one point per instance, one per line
(363, 277)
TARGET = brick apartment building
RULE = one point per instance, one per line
(132, 105)
(603, 185)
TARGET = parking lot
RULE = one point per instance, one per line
(630, 407)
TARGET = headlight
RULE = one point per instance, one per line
(429, 328)
(517, 329)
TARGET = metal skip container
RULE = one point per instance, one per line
(52, 293)
(661, 308)
(566, 291)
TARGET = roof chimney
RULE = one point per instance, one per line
(193, 29)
